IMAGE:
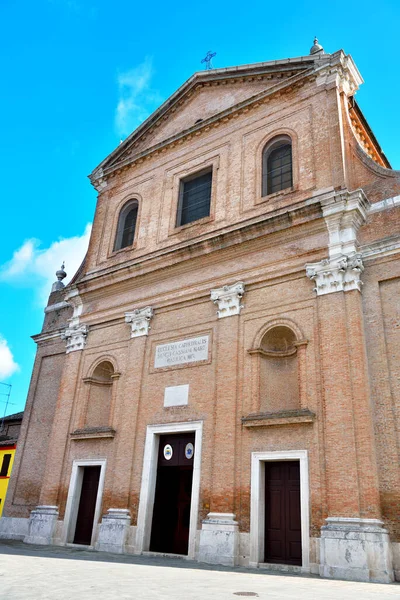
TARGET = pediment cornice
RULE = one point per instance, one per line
(286, 75)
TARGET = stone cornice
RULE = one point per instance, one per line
(304, 212)
(100, 176)
(286, 417)
(381, 248)
(328, 68)
(279, 68)
(51, 336)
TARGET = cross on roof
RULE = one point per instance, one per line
(207, 60)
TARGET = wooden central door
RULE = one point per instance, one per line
(172, 501)
(282, 513)
(87, 505)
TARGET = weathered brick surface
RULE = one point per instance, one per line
(349, 366)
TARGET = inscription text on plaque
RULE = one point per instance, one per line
(182, 352)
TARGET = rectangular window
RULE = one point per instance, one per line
(194, 198)
(5, 465)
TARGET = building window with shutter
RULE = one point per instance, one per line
(5, 465)
(194, 198)
(277, 171)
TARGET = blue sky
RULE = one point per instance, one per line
(79, 75)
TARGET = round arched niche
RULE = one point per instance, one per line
(103, 372)
(100, 395)
(279, 370)
(279, 339)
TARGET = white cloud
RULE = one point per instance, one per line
(7, 364)
(136, 97)
(33, 266)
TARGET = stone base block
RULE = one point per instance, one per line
(356, 550)
(13, 528)
(114, 530)
(219, 540)
(42, 523)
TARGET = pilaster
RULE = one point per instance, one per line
(61, 429)
(126, 424)
(219, 537)
(352, 497)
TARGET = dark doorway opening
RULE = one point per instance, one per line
(282, 513)
(172, 501)
(87, 505)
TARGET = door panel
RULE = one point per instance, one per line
(172, 502)
(282, 512)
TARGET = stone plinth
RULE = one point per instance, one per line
(219, 540)
(356, 549)
(113, 531)
(42, 523)
(13, 528)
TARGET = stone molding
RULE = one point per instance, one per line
(57, 306)
(356, 549)
(140, 321)
(381, 248)
(75, 337)
(93, 433)
(344, 213)
(284, 417)
(227, 298)
(340, 274)
(386, 204)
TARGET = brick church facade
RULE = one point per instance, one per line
(220, 379)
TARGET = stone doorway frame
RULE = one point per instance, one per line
(74, 494)
(257, 504)
(149, 476)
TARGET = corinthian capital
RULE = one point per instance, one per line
(340, 274)
(227, 299)
(75, 337)
(140, 321)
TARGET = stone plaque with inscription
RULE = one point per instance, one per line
(182, 352)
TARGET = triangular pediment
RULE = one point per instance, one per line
(203, 97)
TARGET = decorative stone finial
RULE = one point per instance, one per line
(316, 47)
(60, 274)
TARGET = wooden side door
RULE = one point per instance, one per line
(282, 513)
(87, 505)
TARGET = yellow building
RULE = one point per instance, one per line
(9, 431)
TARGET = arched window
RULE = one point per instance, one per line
(126, 225)
(277, 172)
(100, 394)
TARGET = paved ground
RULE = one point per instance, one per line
(41, 573)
